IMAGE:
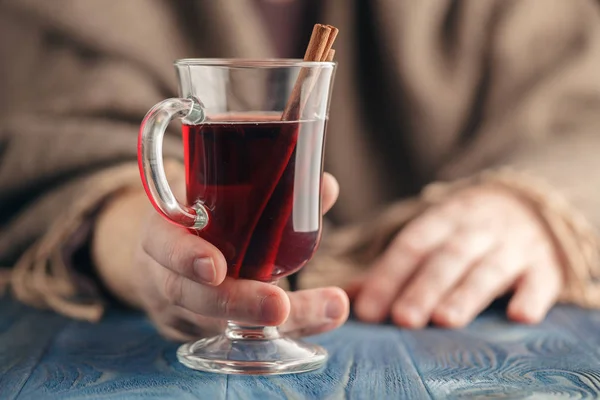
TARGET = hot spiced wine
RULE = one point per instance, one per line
(260, 179)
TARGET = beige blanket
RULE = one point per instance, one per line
(426, 91)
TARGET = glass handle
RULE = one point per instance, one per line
(150, 145)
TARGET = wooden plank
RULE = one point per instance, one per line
(493, 357)
(581, 323)
(122, 357)
(366, 361)
(44, 356)
(25, 335)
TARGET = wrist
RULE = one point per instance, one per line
(114, 243)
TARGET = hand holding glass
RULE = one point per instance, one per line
(253, 186)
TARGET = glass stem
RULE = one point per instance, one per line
(238, 331)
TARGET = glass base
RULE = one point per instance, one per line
(248, 350)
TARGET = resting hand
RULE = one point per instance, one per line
(450, 263)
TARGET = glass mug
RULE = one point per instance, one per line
(253, 187)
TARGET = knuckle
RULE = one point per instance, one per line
(148, 231)
(421, 298)
(409, 243)
(487, 277)
(171, 254)
(473, 202)
(456, 249)
(173, 289)
(485, 223)
(177, 260)
(145, 243)
(140, 257)
(224, 302)
(468, 293)
(538, 255)
(529, 235)
(542, 248)
(453, 206)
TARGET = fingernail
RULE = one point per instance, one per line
(334, 309)
(523, 315)
(204, 268)
(269, 308)
(413, 316)
(452, 315)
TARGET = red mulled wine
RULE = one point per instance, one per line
(260, 179)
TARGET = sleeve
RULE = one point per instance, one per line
(539, 134)
(68, 140)
(533, 127)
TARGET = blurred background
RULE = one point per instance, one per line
(425, 91)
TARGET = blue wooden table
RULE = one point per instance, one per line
(45, 356)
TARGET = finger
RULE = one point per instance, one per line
(240, 300)
(170, 327)
(180, 324)
(195, 324)
(353, 288)
(399, 261)
(183, 253)
(315, 311)
(331, 190)
(441, 271)
(488, 279)
(173, 334)
(312, 312)
(535, 293)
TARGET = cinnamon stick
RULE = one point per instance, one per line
(318, 48)
(330, 55)
(332, 35)
(276, 235)
(319, 43)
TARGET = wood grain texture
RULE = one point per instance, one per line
(495, 358)
(25, 336)
(45, 356)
